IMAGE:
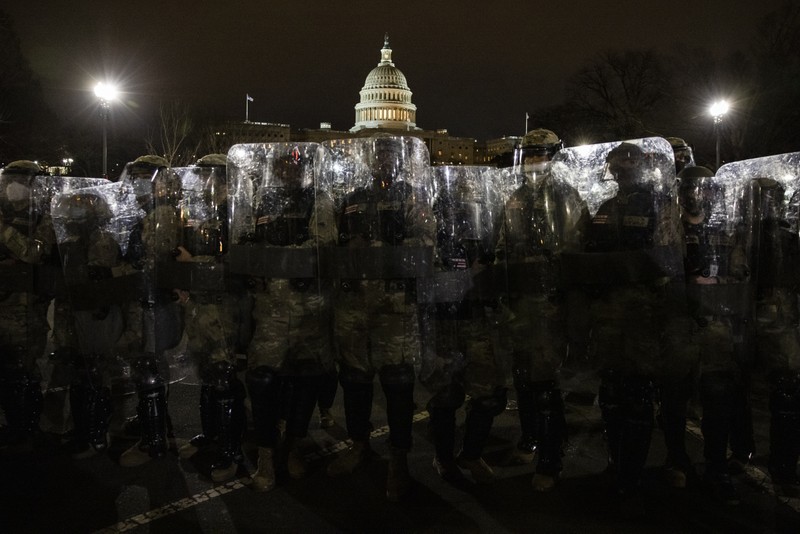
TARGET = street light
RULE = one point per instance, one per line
(106, 93)
(717, 110)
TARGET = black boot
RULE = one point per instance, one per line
(21, 400)
(358, 392)
(152, 414)
(717, 398)
(208, 428)
(627, 407)
(230, 420)
(480, 416)
(672, 418)
(525, 450)
(551, 430)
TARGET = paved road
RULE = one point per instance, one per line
(48, 492)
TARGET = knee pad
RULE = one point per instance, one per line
(147, 373)
(219, 375)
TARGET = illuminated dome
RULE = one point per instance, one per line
(385, 97)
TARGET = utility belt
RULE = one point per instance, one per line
(297, 285)
(45, 280)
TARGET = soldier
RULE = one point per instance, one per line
(386, 238)
(276, 246)
(776, 253)
(717, 276)
(542, 219)
(684, 156)
(210, 310)
(26, 242)
(463, 359)
(633, 253)
(156, 325)
(89, 236)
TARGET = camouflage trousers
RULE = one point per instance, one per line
(536, 334)
(291, 329)
(23, 324)
(464, 353)
(211, 326)
(376, 326)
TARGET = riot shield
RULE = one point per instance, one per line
(461, 292)
(717, 228)
(281, 217)
(629, 189)
(772, 208)
(383, 193)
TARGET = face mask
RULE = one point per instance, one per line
(17, 192)
(538, 167)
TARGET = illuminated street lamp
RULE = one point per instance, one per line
(106, 93)
(717, 110)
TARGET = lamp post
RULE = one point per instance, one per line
(106, 93)
(717, 110)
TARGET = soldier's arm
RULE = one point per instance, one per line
(24, 248)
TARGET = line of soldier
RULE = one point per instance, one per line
(355, 258)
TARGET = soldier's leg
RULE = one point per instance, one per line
(784, 405)
(551, 432)
(442, 409)
(228, 419)
(675, 393)
(742, 440)
(264, 387)
(305, 391)
(481, 412)
(397, 381)
(20, 398)
(358, 391)
(526, 446)
(152, 413)
(627, 403)
(717, 390)
(90, 401)
(327, 394)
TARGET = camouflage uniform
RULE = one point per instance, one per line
(542, 219)
(704, 339)
(277, 248)
(383, 222)
(26, 241)
(463, 360)
(634, 246)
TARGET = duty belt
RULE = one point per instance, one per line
(200, 276)
(622, 267)
(255, 259)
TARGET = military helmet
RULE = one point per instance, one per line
(213, 160)
(625, 151)
(677, 143)
(22, 166)
(82, 207)
(684, 156)
(148, 164)
(694, 174)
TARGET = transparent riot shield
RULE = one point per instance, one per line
(629, 190)
(383, 191)
(386, 235)
(281, 217)
(717, 228)
(461, 295)
(771, 208)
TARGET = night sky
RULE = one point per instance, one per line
(474, 68)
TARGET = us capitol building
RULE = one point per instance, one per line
(385, 106)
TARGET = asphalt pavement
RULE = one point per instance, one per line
(47, 491)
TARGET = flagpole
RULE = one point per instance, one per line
(247, 108)
(526, 123)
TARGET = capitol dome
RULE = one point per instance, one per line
(385, 97)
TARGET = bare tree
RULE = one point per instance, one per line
(172, 140)
(619, 92)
